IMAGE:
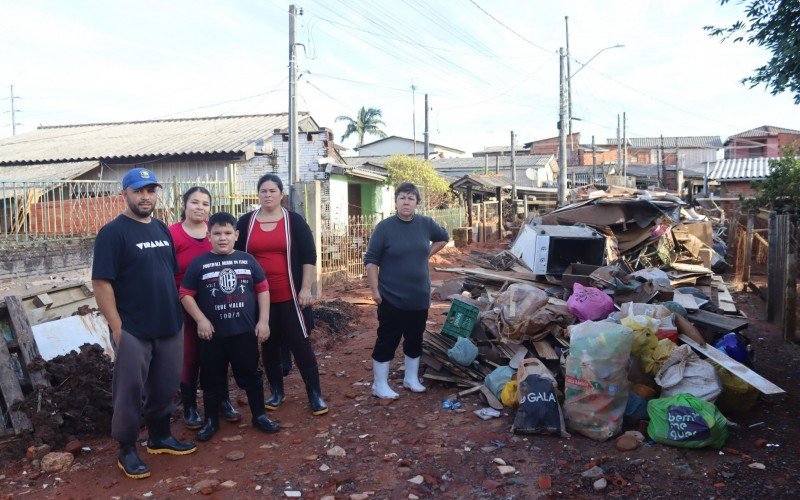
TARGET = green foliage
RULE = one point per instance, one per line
(367, 121)
(781, 190)
(435, 189)
(774, 25)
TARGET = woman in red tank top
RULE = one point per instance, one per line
(190, 239)
(282, 243)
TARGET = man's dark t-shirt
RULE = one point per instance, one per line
(139, 260)
(225, 288)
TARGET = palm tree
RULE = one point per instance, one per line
(366, 122)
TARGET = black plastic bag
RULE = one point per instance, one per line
(539, 411)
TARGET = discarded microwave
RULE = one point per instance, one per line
(550, 249)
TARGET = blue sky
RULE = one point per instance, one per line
(97, 61)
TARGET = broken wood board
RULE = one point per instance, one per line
(686, 300)
(733, 366)
(496, 276)
(24, 336)
(724, 298)
(690, 268)
(545, 350)
(11, 391)
(717, 322)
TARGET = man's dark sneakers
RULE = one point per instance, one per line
(229, 413)
(264, 424)
(130, 463)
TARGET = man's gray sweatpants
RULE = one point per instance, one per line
(144, 369)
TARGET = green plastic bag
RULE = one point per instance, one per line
(686, 421)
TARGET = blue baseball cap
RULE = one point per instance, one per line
(138, 178)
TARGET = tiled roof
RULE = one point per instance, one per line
(704, 142)
(226, 134)
(764, 131)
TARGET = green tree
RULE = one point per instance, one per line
(435, 189)
(780, 191)
(774, 25)
(367, 121)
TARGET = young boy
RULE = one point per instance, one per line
(220, 290)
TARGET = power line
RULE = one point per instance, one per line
(501, 23)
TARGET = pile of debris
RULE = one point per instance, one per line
(609, 308)
(76, 405)
(332, 320)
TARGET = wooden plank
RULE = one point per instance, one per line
(717, 322)
(686, 300)
(43, 300)
(724, 298)
(11, 391)
(27, 345)
(545, 350)
(733, 366)
(471, 390)
(772, 271)
(748, 247)
(790, 287)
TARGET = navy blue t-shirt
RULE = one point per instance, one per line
(139, 260)
(225, 288)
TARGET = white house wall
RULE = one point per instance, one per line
(338, 201)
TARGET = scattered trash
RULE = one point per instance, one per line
(451, 405)
(487, 413)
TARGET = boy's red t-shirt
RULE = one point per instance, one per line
(269, 249)
(186, 249)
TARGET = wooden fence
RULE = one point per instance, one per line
(770, 239)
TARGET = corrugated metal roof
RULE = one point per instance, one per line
(740, 169)
(47, 171)
(226, 134)
(485, 180)
(419, 143)
(764, 131)
(703, 141)
(473, 163)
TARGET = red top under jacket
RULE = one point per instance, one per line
(186, 248)
(269, 249)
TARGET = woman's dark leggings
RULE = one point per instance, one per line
(285, 329)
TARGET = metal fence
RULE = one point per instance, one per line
(34, 211)
(344, 244)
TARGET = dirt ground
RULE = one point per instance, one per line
(413, 447)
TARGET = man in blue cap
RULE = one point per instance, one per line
(132, 274)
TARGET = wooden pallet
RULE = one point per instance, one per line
(16, 355)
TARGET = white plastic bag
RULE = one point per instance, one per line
(685, 372)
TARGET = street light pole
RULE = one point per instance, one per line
(565, 78)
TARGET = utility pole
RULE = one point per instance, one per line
(619, 149)
(427, 144)
(513, 172)
(625, 145)
(569, 87)
(662, 171)
(293, 149)
(414, 116)
(562, 132)
(14, 113)
(594, 163)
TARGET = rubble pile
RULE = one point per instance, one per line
(77, 404)
(616, 299)
(332, 319)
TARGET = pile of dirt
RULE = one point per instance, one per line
(77, 405)
(333, 319)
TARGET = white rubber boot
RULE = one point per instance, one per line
(411, 381)
(380, 387)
